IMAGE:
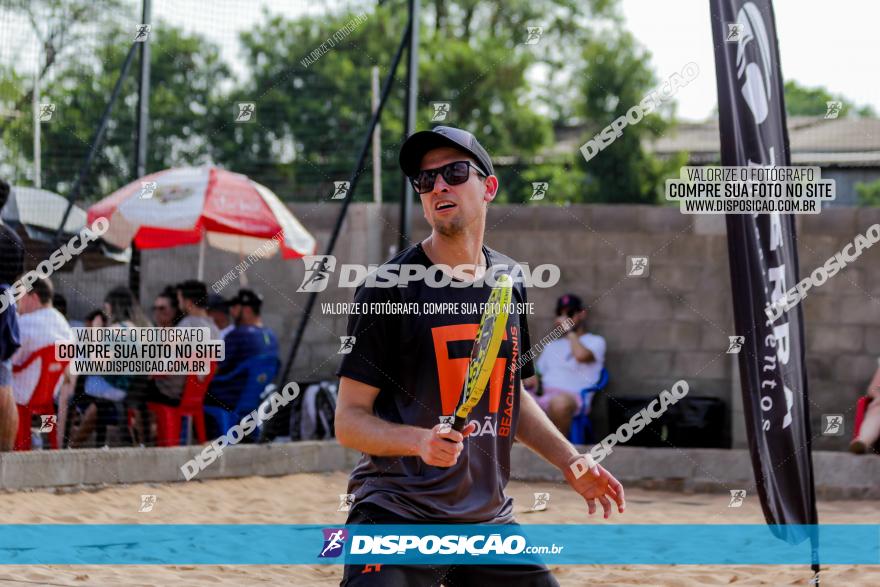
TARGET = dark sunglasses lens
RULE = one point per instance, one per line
(456, 173)
(453, 174)
(424, 182)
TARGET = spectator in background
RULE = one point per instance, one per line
(96, 319)
(218, 310)
(40, 325)
(124, 312)
(248, 339)
(11, 268)
(869, 433)
(568, 364)
(59, 302)
(68, 381)
(192, 299)
(75, 394)
(165, 310)
(123, 309)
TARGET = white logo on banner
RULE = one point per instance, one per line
(757, 86)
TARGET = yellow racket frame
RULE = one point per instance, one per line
(489, 336)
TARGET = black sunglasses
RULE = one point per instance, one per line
(454, 173)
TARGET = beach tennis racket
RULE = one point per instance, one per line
(485, 351)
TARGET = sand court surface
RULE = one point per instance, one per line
(313, 499)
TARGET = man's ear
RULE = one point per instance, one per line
(491, 184)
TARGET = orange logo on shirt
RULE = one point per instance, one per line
(452, 370)
(371, 569)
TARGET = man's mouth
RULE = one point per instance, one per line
(443, 205)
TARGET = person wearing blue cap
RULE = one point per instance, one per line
(249, 338)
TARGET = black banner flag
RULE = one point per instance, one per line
(762, 249)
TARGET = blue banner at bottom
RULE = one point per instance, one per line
(552, 544)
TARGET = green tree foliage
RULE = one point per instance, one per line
(868, 193)
(60, 27)
(803, 101)
(185, 72)
(616, 77)
(471, 56)
(311, 118)
(312, 109)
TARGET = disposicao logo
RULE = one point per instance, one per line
(334, 542)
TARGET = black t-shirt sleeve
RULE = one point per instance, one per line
(528, 368)
(372, 360)
(11, 255)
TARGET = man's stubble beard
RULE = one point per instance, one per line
(454, 226)
(451, 228)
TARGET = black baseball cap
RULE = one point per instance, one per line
(247, 297)
(415, 147)
(570, 302)
(216, 302)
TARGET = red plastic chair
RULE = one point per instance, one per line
(192, 403)
(41, 402)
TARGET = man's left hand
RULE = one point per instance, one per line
(592, 482)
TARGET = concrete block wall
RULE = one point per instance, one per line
(671, 325)
(690, 470)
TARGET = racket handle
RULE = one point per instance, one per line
(458, 425)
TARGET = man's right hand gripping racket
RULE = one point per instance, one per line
(485, 351)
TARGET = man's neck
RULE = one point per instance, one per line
(453, 251)
(197, 312)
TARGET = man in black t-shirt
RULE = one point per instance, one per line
(11, 268)
(405, 372)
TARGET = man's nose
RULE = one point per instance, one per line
(440, 184)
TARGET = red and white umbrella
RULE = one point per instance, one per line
(189, 205)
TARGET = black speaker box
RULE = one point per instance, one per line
(692, 422)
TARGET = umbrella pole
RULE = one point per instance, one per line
(242, 278)
(358, 168)
(202, 257)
